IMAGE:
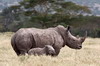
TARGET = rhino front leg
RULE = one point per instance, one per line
(57, 50)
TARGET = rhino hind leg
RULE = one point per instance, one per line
(17, 51)
(22, 53)
(14, 46)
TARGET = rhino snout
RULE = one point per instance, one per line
(79, 47)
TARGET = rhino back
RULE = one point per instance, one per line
(46, 37)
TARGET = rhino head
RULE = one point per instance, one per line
(70, 40)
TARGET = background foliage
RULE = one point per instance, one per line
(49, 13)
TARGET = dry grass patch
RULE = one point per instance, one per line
(89, 55)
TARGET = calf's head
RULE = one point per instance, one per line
(49, 50)
(72, 41)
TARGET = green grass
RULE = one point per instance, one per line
(89, 55)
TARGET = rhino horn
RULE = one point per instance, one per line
(83, 38)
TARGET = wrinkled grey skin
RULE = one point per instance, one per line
(47, 50)
(27, 38)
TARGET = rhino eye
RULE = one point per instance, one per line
(73, 40)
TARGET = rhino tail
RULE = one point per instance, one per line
(13, 43)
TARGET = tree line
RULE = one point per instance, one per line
(49, 13)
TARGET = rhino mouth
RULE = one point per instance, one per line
(79, 47)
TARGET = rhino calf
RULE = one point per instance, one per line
(47, 50)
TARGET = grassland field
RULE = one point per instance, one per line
(89, 55)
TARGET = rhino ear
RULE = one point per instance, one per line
(68, 28)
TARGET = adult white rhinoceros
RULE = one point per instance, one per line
(27, 38)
